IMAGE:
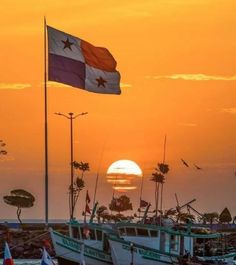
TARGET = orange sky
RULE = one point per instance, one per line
(177, 61)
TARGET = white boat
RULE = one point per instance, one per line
(93, 249)
(151, 245)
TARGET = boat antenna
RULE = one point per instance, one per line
(99, 167)
(164, 158)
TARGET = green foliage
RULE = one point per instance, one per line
(82, 166)
(225, 216)
(158, 177)
(20, 199)
(102, 212)
(121, 204)
(185, 217)
(169, 213)
(163, 168)
(210, 217)
(79, 183)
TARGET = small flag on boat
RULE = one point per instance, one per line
(77, 63)
(143, 203)
(87, 209)
(46, 259)
(87, 198)
(7, 259)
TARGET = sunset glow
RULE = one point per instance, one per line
(121, 175)
(177, 61)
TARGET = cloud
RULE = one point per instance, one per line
(123, 85)
(188, 124)
(13, 86)
(194, 77)
(6, 158)
(229, 110)
(55, 84)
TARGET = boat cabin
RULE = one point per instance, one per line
(91, 234)
(176, 241)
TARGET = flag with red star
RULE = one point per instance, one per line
(77, 63)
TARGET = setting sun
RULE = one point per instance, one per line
(122, 173)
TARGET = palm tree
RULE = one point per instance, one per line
(164, 169)
(102, 211)
(158, 178)
(79, 184)
(82, 166)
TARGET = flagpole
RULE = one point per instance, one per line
(95, 189)
(46, 123)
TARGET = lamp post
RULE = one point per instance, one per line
(71, 116)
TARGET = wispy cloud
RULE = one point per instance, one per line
(188, 124)
(229, 110)
(124, 85)
(13, 86)
(55, 84)
(6, 158)
(194, 77)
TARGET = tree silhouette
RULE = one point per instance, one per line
(102, 212)
(158, 178)
(170, 213)
(79, 184)
(2, 149)
(120, 204)
(185, 217)
(82, 166)
(225, 216)
(210, 217)
(20, 199)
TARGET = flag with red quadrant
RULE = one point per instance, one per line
(77, 63)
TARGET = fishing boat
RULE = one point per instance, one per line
(85, 242)
(142, 244)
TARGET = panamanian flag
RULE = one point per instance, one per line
(7, 260)
(77, 63)
(46, 259)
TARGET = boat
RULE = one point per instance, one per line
(86, 242)
(142, 244)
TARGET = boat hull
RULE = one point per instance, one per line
(122, 255)
(68, 251)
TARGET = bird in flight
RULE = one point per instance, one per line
(197, 167)
(184, 163)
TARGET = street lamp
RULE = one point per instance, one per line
(71, 116)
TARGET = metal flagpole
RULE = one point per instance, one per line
(95, 189)
(46, 124)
